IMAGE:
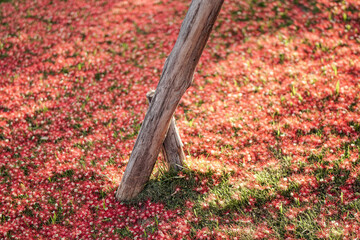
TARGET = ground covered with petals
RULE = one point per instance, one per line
(270, 124)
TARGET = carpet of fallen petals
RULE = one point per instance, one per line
(270, 125)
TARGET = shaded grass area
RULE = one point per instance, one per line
(213, 202)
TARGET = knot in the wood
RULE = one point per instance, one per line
(150, 94)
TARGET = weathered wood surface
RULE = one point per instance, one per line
(175, 79)
(172, 146)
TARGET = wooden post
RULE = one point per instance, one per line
(172, 146)
(175, 79)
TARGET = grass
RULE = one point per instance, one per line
(224, 203)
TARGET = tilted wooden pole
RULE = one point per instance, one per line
(172, 146)
(175, 79)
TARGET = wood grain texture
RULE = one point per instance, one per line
(172, 147)
(175, 79)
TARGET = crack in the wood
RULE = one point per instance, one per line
(190, 23)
